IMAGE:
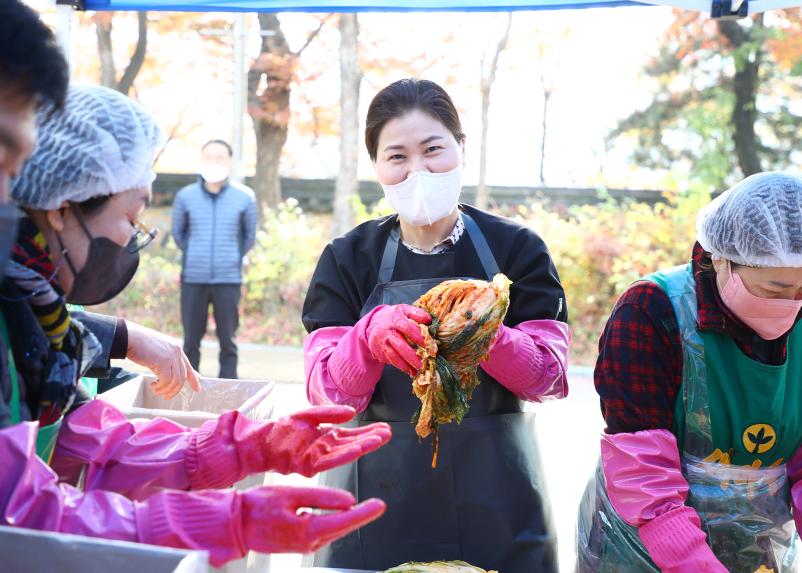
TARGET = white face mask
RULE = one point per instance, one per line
(213, 173)
(424, 198)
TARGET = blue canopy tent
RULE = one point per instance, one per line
(350, 5)
(717, 8)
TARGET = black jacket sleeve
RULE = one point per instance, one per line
(332, 298)
(104, 328)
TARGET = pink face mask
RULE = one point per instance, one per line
(770, 318)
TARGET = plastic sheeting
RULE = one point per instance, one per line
(43, 552)
(745, 511)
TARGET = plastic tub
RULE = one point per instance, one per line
(217, 395)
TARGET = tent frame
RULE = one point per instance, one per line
(719, 9)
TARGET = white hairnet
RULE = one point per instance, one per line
(757, 223)
(102, 143)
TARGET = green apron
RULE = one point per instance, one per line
(47, 435)
(737, 421)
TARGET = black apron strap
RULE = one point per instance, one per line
(486, 257)
(390, 252)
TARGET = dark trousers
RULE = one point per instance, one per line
(195, 300)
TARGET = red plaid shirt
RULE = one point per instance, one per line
(639, 370)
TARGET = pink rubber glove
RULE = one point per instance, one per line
(676, 543)
(133, 457)
(265, 519)
(794, 471)
(343, 364)
(273, 523)
(531, 359)
(391, 332)
(139, 457)
(225, 523)
(232, 447)
(644, 482)
(339, 367)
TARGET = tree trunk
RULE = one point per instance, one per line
(745, 86)
(482, 194)
(105, 48)
(108, 71)
(546, 98)
(137, 58)
(269, 80)
(350, 78)
(267, 181)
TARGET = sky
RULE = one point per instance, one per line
(591, 58)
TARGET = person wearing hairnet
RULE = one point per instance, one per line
(84, 190)
(700, 379)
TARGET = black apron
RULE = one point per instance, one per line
(485, 503)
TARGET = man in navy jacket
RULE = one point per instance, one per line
(214, 224)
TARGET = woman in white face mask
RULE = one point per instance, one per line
(700, 379)
(483, 503)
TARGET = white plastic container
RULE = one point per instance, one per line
(254, 398)
(217, 395)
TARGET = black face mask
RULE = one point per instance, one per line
(107, 271)
(9, 216)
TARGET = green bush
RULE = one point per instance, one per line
(277, 274)
(599, 250)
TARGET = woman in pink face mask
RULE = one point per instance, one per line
(700, 379)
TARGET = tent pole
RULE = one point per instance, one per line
(64, 28)
(239, 95)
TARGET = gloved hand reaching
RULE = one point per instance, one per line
(272, 522)
(268, 519)
(390, 333)
(234, 446)
(226, 523)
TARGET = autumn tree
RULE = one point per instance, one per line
(489, 67)
(108, 67)
(723, 107)
(270, 80)
(350, 79)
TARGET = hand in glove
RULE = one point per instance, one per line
(269, 519)
(391, 331)
(234, 446)
(272, 522)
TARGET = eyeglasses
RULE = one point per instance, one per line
(143, 236)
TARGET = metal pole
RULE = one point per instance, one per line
(64, 29)
(239, 95)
